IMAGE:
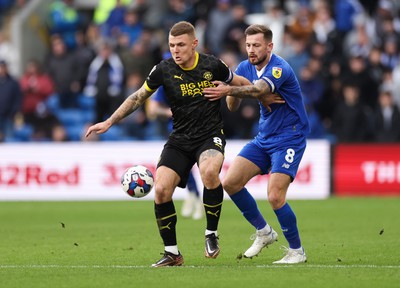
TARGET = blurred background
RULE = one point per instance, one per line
(66, 64)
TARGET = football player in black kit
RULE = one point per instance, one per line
(197, 135)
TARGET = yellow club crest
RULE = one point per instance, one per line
(208, 75)
(277, 72)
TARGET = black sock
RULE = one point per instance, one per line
(166, 221)
(212, 200)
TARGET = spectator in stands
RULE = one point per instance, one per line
(234, 39)
(311, 85)
(375, 66)
(36, 88)
(384, 20)
(135, 125)
(10, 101)
(103, 9)
(83, 55)
(388, 31)
(351, 117)
(386, 117)
(61, 66)
(105, 80)
(138, 59)
(345, 11)
(358, 41)
(115, 20)
(64, 20)
(390, 53)
(358, 74)
(47, 127)
(220, 17)
(152, 44)
(323, 24)
(333, 92)
(300, 56)
(177, 10)
(132, 26)
(9, 52)
(301, 25)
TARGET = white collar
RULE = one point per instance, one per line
(260, 72)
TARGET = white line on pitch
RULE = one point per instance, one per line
(202, 267)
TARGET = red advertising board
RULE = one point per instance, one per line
(366, 170)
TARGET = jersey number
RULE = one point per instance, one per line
(289, 155)
(217, 141)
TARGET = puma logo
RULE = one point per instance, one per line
(214, 214)
(179, 77)
(166, 226)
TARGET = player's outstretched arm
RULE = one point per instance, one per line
(127, 107)
(233, 103)
(260, 90)
(246, 91)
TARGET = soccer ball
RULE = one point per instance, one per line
(137, 181)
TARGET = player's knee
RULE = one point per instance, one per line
(162, 193)
(230, 186)
(210, 178)
(276, 199)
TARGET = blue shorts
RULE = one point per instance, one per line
(281, 155)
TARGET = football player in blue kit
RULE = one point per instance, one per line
(278, 147)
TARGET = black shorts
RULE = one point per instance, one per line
(181, 159)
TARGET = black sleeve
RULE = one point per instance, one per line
(155, 78)
(225, 72)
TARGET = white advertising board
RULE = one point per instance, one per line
(92, 171)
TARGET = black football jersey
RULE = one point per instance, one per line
(194, 117)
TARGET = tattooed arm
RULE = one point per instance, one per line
(257, 90)
(127, 107)
(233, 103)
(260, 91)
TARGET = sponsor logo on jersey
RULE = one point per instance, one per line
(277, 72)
(195, 89)
(286, 165)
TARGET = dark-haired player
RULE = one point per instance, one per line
(278, 147)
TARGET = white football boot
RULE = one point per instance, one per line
(261, 240)
(292, 256)
(198, 209)
(188, 205)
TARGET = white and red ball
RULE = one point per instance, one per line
(137, 181)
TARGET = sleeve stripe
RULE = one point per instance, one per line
(270, 83)
(230, 78)
(148, 88)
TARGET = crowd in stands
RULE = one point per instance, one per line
(345, 53)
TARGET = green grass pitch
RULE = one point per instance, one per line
(350, 242)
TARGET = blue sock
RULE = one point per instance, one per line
(248, 206)
(288, 222)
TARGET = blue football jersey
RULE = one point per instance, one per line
(160, 96)
(285, 120)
